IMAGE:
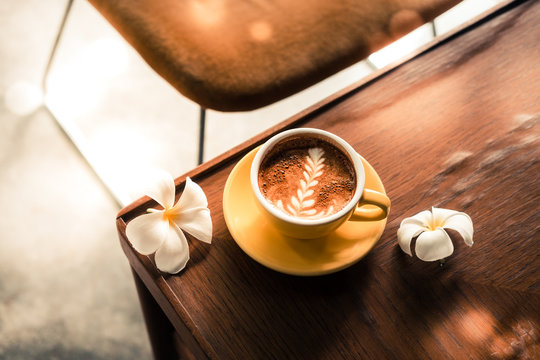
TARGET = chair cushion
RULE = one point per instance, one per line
(233, 55)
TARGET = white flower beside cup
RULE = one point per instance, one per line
(161, 231)
(433, 242)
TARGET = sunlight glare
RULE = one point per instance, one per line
(22, 98)
(207, 12)
(78, 88)
(402, 47)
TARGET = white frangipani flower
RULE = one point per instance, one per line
(433, 242)
(161, 231)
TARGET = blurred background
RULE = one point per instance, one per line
(67, 168)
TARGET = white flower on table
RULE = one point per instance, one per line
(433, 242)
(161, 231)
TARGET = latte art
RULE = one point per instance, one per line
(307, 178)
(302, 202)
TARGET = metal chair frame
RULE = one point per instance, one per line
(77, 139)
(75, 136)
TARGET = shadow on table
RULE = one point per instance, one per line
(308, 317)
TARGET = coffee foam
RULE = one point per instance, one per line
(307, 177)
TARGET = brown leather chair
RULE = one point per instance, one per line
(238, 55)
(235, 55)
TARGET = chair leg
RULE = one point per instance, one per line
(202, 124)
(55, 47)
(70, 129)
(74, 135)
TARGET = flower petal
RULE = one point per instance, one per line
(147, 232)
(160, 187)
(173, 255)
(441, 215)
(433, 245)
(461, 223)
(405, 235)
(423, 219)
(197, 222)
(192, 197)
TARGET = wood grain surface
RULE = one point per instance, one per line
(455, 126)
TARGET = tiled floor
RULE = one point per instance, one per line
(65, 288)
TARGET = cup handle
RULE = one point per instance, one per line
(374, 198)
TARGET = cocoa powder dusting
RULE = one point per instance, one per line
(329, 178)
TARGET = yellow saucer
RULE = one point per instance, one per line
(262, 242)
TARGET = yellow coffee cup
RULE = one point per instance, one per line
(306, 228)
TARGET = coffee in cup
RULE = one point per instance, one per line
(307, 177)
(307, 182)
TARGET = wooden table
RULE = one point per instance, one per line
(455, 126)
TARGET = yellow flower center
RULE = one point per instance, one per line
(434, 225)
(169, 214)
